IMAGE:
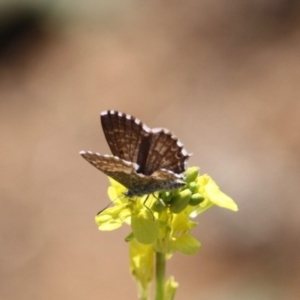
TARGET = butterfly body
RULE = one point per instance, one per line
(144, 160)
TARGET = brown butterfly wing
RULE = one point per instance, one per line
(158, 181)
(130, 139)
(166, 152)
(112, 166)
(124, 134)
(125, 173)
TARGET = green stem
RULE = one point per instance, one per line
(160, 275)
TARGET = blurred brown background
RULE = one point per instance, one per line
(224, 76)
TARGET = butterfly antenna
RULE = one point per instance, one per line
(109, 204)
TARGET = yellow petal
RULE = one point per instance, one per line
(186, 244)
(145, 228)
(112, 218)
(213, 193)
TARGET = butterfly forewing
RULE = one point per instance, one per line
(144, 160)
(123, 134)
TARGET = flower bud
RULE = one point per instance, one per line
(166, 197)
(196, 199)
(158, 206)
(191, 174)
(193, 186)
(180, 201)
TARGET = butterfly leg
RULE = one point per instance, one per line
(159, 200)
(148, 207)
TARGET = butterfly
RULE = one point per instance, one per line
(143, 160)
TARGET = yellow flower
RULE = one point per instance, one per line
(212, 195)
(161, 223)
(141, 266)
(163, 220)
(135, 212)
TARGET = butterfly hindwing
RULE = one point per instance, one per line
(166, 152)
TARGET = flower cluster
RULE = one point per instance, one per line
(161, 222)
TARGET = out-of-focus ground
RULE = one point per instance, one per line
(224, 76)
